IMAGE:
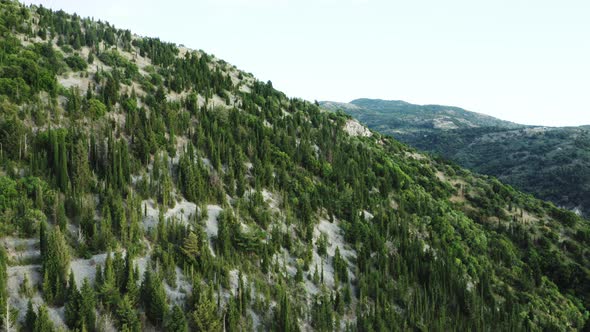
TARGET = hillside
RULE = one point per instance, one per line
(395, 116)
(146, 186)
(551, 163)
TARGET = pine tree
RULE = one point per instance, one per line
(3, 285)
(153, 297)
(106, 232)
(175, 321)
(111, 91)
(340, 266)
(61, 219)
(63, 178)
(43, 240)
(55, 267)
(98, 278)
(232, 315)
(285, 319)
(43, 323)
(88, 305)
(80, 168)
(205, 317)
(127, 316)
(130, 286)
(47, 288)
(191, 247)
(109, 292)
(30, 318)
(72, 304)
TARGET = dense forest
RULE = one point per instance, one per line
(146, 186)
(552, 163)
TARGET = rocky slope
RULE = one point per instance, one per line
(145, 186)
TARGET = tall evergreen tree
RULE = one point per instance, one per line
(43, 323)
(127, 316)
(175, 321)
(153, 297)
(55, 266)
(63, 177)
(205, 317)
(72, 304)
(30, 318)
(88, 305)
(3, 285)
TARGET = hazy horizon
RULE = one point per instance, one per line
(521, 61)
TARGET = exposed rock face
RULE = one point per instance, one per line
(354, 128)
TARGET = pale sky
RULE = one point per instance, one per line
(526, 61)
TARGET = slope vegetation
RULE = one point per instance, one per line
(551, 163)
(146, 186)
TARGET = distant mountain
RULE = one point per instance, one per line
(395, 116)
(551, 163)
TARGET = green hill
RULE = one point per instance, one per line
(146, 186)
(551, 163)
(396, 116)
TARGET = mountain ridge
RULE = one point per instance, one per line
(412, 117)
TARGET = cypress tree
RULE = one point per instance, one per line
(43, 240)
(205, 317)
(127, 316)
(191, 247)
(153, 297)
(47, 288)
(108, 291)
(55, 266)
(176, 322)
(30, 318)
(43, 323)
(88, 305)
(63, 178)
(72, 307)
(61, 219)
(3, 284)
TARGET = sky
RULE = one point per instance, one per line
(526, 61)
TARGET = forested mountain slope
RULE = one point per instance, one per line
(551, 163)
(144, 186)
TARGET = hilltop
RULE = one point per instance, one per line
(396, 116)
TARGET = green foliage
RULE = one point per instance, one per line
(540, 161)
(285, 319)
(113, 59)
(43, 323)
(340, 266)
(96, 108)
(127, 316)
(87, 305)
(390, 238)
(72, 305)
(8, 193)
(55, 267)
(76, 62)
(30, 318)
(3, 284)
(322, 313)
(153, 298)
(205, 318)
(176, 322)
(191, 247)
